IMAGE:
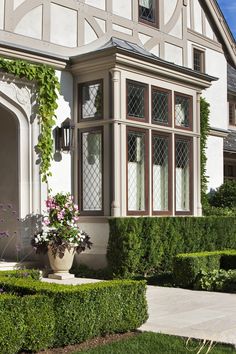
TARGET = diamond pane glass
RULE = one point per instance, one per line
(182, 151)
(160, 173)
(182, 111)
(92, 101)
(160, 108)
(136, 171)
(136, 101)
(92, 171)
(147, 10)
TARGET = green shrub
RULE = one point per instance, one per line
(39, 320)
(186, 267)
(144, 245)
(217, 280)
(85, 311)
(194, 263)
(21, 273)
(224, 196)
(12, 326)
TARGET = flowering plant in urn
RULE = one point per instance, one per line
(60, 230)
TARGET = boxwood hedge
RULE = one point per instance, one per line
(76, 313)
(148, 244)
(187, 266)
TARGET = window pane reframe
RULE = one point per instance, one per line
(169, 93)
(146, 101)
(80, 171)
(167, 136)
(146, 166)
(150, 23)
(180, 94)
(80, 100)
(201, 54)
(191, 177)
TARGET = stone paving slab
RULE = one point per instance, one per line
(73, 281)
(195, 314)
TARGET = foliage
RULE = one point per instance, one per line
(158, 343)
(89, 310)
(60, 229)
(159, 240)
(22, 273)
(39, 321)
(47, 86)
(195, 263)
(217, 280)
(216, 211)
(12, 327)
(204, 128)
(224, 196)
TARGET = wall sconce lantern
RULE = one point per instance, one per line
(64, 136)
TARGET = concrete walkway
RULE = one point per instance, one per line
(192, 314)
(186, 313)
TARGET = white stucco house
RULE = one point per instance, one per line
(131, 74)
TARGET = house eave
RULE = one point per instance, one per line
(40, 57)
(113, 57)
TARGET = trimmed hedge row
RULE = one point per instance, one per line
(81, 312)
(25, 323)
(144, 245)
(187, 266)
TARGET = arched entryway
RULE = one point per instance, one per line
(9, 184)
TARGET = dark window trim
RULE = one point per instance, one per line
(191, 177)
(149, 23)
(233, 105)
(169, 92)
(146, 144)
(190, 128)
(80, 87)
(146, 102)
(170, 163)
(80, 173)
(202, 59)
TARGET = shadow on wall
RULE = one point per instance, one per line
(16, 234)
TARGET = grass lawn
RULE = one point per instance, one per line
(153, 343)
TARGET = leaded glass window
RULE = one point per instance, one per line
(136, 171)
(161, 105)
(136, 100)
(160, 172)
(147, 11)
(92, 186)
(198, 60)
(182, 174)
(91, 100)
(183, 111)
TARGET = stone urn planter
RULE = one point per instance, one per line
(61, 264)
(60, 235)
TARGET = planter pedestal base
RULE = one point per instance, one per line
(61, 276)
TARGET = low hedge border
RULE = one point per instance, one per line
(22, 273)
(25, 323)
(187, 266)
(85, 311)
(140, 246)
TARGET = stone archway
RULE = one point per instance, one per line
(20, 180)
(9, 182)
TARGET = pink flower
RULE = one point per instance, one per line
(46, 221)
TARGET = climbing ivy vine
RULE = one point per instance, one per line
(205, 127)
(47, 86)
